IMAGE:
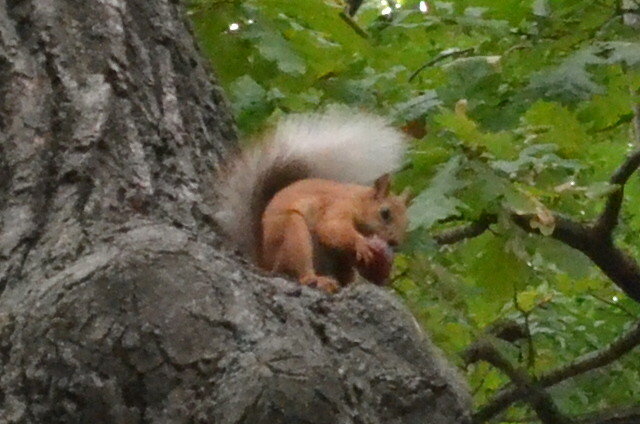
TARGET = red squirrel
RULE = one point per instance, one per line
(312, 201)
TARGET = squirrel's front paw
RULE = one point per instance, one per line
(364, 251)
(325, 283)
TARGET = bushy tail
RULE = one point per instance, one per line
(340, 145)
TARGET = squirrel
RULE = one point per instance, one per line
(312, 201)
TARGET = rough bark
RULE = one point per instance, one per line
(117, 302)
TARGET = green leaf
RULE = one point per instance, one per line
(533, 113)
(495, 269)
(572, 80)
(536, 158)
(527, 300)
(563, 128)
(614, 52)
(274, 47)
(250, 102)
(437, 202)
(600, 189)
(418, 106)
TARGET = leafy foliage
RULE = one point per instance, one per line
(515, 106)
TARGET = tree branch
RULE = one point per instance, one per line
(508, 330)
(594, 240)
(353, 6)
(636, 121)
(613, 304)
(541, 402)
(471, 230)
(354, 25)
(608, 220)
(566, 230)
(616, 264)
(439, 58)
(614, 416)
(596, 359)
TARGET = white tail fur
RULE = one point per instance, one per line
(340, 145)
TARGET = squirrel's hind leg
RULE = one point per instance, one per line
(287, 247)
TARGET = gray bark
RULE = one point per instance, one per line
(117, 302)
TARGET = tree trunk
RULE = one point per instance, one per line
(117, 302)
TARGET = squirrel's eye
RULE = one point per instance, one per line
(385, 214)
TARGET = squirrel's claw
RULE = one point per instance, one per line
(364, 251)
(324, 283)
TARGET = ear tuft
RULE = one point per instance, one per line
(406, 196)
(382, 186)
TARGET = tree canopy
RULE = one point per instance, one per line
(525, 126)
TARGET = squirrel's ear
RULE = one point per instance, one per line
(381, 186)
(406, 196)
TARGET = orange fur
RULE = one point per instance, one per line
(315, 230)
(298, 202)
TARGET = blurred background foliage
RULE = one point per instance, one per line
(512, 106)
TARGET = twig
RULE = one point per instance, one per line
(439, 58)
(608, 220)
(353, 6)
(614, 305)
(527, 327)
(354, 25)
(624, 119)
(634, 93)
(596, 359)
(594, 240)
(527, 420)
(476, 389)
(541, 402)
(636, 121)
(471, 230)
(614, 416)
(516, 47)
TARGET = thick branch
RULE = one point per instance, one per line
(595, 241)
(508, 330)
(569, 232)
(585, 363)
(616, 264)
